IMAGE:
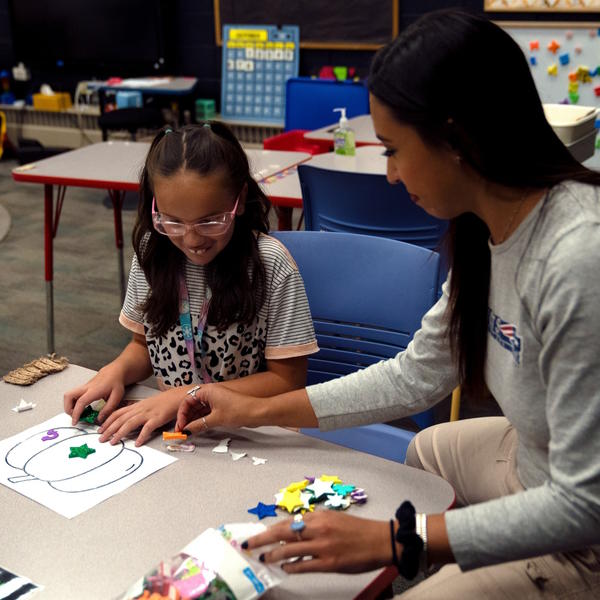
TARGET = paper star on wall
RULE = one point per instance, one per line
(81, 451)
(263, 510)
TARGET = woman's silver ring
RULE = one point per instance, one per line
(204, 424)
(298, 525)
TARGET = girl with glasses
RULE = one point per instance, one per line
(455, 105)
(211, 299)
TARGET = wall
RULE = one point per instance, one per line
(192, 41)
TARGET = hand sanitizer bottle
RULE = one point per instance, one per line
(343, 136)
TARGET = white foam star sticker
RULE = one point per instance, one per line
(223, 447)
(23, 406)
(237, 455)
(337, 501)
(320, 488)
(279, 498)
(305, 497)
(258, 461)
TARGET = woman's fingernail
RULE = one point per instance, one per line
(261, 558)
(245, 545)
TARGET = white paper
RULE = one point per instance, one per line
(36, 463)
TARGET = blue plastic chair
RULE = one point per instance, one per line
(365, 203)
(367, 297)
(309, 103)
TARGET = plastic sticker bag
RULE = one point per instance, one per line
(211, 567)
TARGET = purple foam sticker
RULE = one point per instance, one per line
(51, 434)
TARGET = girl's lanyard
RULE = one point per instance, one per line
(185, 320)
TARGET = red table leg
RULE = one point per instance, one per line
(117, 197)
(48, 265)
(285, 218)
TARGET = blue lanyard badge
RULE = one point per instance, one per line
(185, 320)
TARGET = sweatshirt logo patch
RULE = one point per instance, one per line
(505, 334)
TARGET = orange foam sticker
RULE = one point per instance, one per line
(174, 435)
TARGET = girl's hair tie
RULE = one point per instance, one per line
(168, 130)
(206, 125)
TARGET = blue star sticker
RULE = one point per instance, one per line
(263, 510)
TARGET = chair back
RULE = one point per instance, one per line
(367, 296)
(2, 132)
(365, 203)
(309, 103)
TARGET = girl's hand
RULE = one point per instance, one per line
(107, 384)
(147, 414)
(215, 405)
(333, 541)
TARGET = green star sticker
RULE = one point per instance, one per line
(89, 415)
(81, 451)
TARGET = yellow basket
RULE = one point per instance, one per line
(56, 102)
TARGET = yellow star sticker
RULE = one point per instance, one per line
(291, 501)
(296, 485)
(332, 478)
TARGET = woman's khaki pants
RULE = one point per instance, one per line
(477, 457)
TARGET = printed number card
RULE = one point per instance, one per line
(257, 61)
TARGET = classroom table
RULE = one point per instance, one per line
(114, 166)
(285, 194)
(284, 188)
(364, 133)
(101, 552)
(368, 159)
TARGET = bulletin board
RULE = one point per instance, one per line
(565, 62)
(572, 6)
(257, 62)
(332, 25)
(556, 51)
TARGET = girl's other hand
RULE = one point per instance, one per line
(107, 384)
(148, 414)
(334, 542)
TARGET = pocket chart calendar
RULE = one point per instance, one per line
(257, 61)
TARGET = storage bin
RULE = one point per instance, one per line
(205, 109)
(129, 99)
(584, 147)
(571, 123)
(295, 141)
(54, 102)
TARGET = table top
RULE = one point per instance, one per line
(156, 85)
(368, 159)
(284, 186)
(364, 133)
(104, 550)
(116, 165)
(105, 165)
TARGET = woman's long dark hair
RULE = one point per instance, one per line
(463, 83)
(236, 276)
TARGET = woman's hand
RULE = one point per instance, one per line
(148, 414)
(215, 405)
(334, 542)
(107, 384)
